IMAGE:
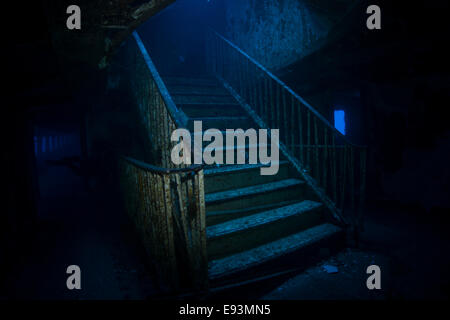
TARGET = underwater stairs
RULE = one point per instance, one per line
(257, 226)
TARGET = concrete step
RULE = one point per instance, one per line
(252, 231)
(221, 216)
(240, 176)
(246, 148)
(266, 258)
(184, 81)
(197, 90)
(257, 195)
(222, 123)
(237, 151)
(200, 99)
(212, 110)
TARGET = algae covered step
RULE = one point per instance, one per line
(261, 255)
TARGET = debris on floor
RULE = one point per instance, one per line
(330, 269)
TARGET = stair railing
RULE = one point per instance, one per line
(166, 202)
(168, 210)
(160, 116)
(334, 167)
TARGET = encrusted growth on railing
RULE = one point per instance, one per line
(168, 209)
(330, 164)
(160, 116)
(166, 202)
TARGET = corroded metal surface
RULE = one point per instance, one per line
(169, 220)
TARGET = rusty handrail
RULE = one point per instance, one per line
(160, 170)
(177, 115)
(158, 114)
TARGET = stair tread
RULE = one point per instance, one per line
(261, 219)
(237, 168)
(190, 99)
(219, 118)
(208, 104)
(256, 256)
(182, 80)
(197, 91)
(237, 147)
(260, 188)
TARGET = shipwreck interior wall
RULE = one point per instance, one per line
(278, 33)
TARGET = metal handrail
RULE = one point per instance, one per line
(160, 170)
(177, 115)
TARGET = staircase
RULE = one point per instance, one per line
(256, 225)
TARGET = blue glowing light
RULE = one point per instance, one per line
(339, 121)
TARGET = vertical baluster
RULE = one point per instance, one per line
(214, 53)
(170, 233)
(218, 60)
(343, 176)
(218, 57)
(247, 86)
(164, 135)
(272, 104)
(317, 171)
(207, 50)
(300, 128)
(253, 103)
(202, 218)
(153, 209)
(159, 124)
(255, 84)
(154, 110)
(222, 59)
(267, 101)
(292, 126)
(241, 75)
(261, 96)
(249, 83)
(362, 185)
(162, 253)
(278, 105)
(334, 165)
(308, 132)
(182, 206)
(196, 232)
(226, 73)
(352, 182)
(285, 119)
